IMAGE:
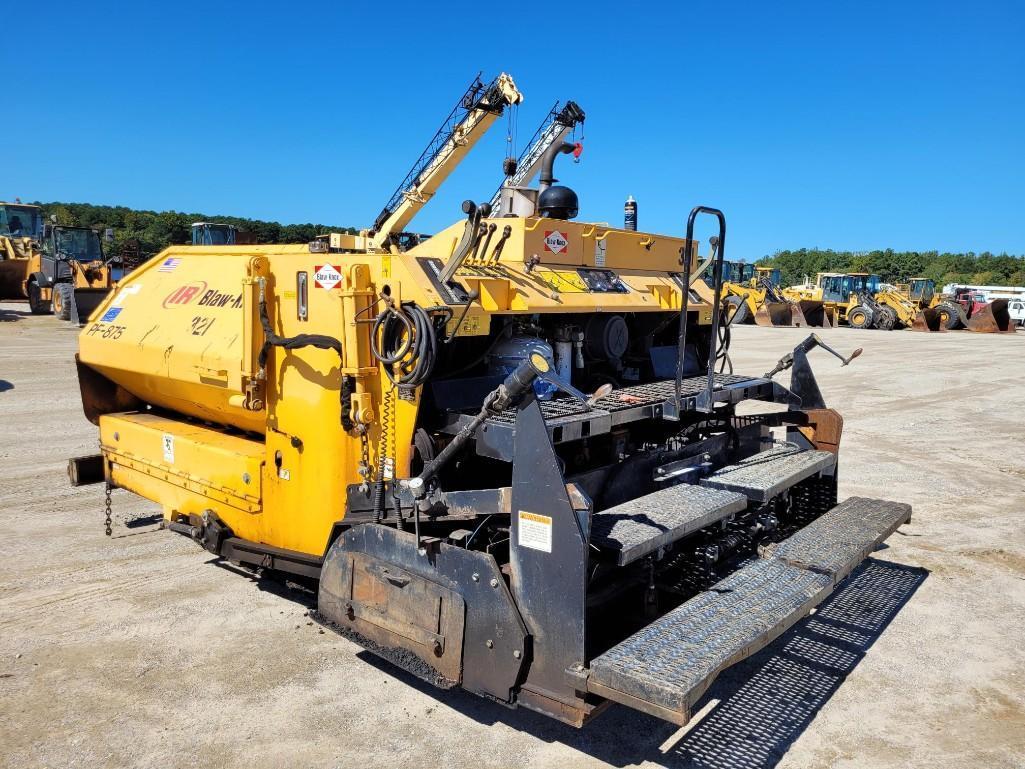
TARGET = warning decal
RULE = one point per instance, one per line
(327, 275)
(535, 531)
(168, 443)
(555, 241)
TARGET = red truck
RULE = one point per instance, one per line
(977, 314)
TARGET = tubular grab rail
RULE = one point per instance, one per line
(705, 400)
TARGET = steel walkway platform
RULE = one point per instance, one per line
(665, 667)
(641, 526)
(763, 476)
(839, 540)
(569, 420)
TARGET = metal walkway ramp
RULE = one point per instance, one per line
(641, 526)
(763, 476)
(839, 540)
(665, 667)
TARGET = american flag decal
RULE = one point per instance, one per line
(168, 265)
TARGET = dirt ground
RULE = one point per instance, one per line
(142, 651)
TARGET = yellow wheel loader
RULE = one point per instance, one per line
(938, 313)
(507, 455)
(754, 293)
(70, 275)
(846, 298)
(21, 229)
(905, 312)
(966, 307)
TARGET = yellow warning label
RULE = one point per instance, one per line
(535, 531)
(563, 281)
(471, 326)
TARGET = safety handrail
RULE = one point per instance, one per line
(705, 403)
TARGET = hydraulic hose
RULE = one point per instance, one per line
(405, 341)
(725, 337)
(321, 341)
(271, 339)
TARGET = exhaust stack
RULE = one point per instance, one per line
(555, 201)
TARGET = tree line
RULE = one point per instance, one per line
(156, 230)
(900, 266)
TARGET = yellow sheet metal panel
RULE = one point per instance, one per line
(187, 468)
(310, 458)
(618, 249)
(190, 452)
(175, 499)
(554, 243)
(174, 333)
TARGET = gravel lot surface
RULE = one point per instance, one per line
(142, 651)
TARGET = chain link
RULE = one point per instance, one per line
(106, 509)
(364, 469)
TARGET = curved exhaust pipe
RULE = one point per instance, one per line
(548, 163)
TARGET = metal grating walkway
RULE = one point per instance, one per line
(641, 526)
(762, 476)
(569, 420)
(665, 667)
(672, 661)
(836, 542)
(651, 394)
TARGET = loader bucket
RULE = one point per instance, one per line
(797, 319)
(928, 320)
(87, 300)
(815, 314)
(12, 275)
(776, 314)
(992, 319)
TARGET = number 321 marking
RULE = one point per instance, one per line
(201, 325)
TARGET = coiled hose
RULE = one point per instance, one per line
(405, 341)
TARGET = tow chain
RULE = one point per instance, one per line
(364, 470)
(106, 510)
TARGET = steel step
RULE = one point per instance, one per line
(665, 667)
(837, 541)
(643, 525)
(763, 476)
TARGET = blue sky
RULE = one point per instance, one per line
(833, 124)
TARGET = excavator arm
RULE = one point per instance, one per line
(472, 116)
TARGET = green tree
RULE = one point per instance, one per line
(155, 231)
(900, 266)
